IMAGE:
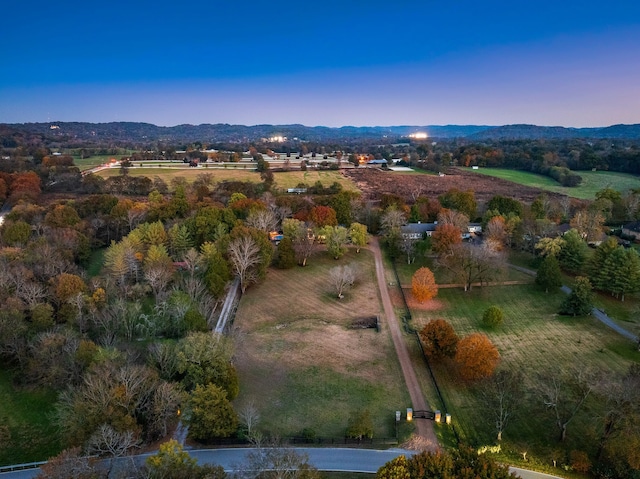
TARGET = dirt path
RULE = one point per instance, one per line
(424, 427)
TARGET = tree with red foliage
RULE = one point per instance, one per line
(439, 339)
(444, 238)
(24, 186)
(323, 216)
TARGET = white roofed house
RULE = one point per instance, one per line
(417, 231)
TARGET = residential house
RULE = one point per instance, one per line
(632, 230)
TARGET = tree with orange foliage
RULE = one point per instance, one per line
(24, 186)
(444, 238)
(68, 285)
(439, 339)
(496, 233)
(476, 356)
(323, 216)
(423, 285)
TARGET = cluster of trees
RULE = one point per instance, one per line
(164, 265)
(474, 356)
(464, 462)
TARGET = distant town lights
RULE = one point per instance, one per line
(419, 135)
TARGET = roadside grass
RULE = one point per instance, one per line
(283, 179)
(26, 431)
(302, 365)
(592, 181)
(535, 341)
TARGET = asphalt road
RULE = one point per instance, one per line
(324, 459)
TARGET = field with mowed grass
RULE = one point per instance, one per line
(533, 340)
(300, 361)
(26, 432)
(282, 179)
(592, 181)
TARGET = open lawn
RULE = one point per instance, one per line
(592, 181)
(283, 179)
(301, 363)
(26, 432)
(533, 340)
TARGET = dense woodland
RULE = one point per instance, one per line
(111, 287)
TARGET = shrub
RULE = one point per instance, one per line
(493, 317)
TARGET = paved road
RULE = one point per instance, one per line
(424, 427)
(324, 459)
(600, 315)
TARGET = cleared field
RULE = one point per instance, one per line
(302, 364)
(283, 179)
(592, 181)
(93, 161)
(533, 340)
(26, 432)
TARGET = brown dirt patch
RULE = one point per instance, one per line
(374, 183)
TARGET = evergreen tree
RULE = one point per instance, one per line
(598, 273)
(285, 255)
(573, 253)
(622, 267)
(578, 303)
(548, 276)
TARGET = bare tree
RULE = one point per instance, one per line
(249, 416)
(244, 255)
(162, 356)
(502, 393)
(264, 220)
(408, 247)
(158, 275)
(453, 217)
(106, 441)
(565, 395)
(622, 405)
(163, 411)
(470, 264)
(275, 461)
(30, 292)
(342, 278)
(303, 245)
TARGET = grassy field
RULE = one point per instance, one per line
(26, 433)
(592, 181)
(283, 179)
(92, 161)
(533, 340)
(301, 363)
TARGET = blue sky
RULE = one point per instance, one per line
(333, 63)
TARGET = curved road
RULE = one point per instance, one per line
(424, 427)
(324, 459)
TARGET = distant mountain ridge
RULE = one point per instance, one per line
(146, 132)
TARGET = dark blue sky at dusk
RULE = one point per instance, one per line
(333, 63)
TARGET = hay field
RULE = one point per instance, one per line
(283, 179)
(302, 365)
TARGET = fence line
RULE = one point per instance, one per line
(410, 329)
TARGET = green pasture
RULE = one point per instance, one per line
(533, 340)
(26, 432)
(592, 181)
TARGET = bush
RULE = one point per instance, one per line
(493, 317)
